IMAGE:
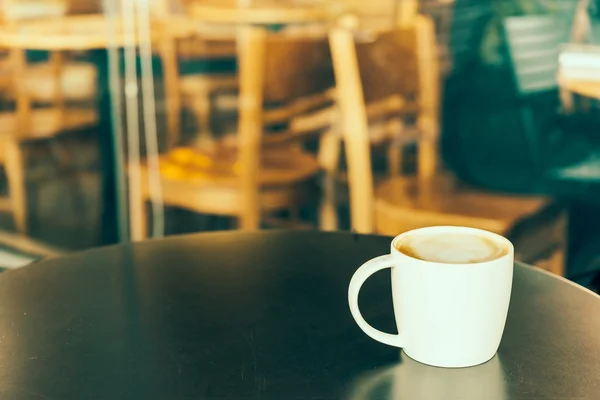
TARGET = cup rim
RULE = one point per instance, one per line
(462, 229)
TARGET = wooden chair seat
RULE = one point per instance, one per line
(400, 207)
(47, 122)
(210, 184)
(222, 199)
(281, 166)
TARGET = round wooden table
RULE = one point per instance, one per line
(264, 316)
(263, 12)
(83, 32)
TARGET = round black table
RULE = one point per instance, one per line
(264, 316)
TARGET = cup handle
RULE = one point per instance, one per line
(359, 278)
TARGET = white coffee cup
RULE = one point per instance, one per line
(448, 314)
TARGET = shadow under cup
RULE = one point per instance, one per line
(412, 380)
(447, 314)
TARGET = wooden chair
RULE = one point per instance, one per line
(50, 98)
(284, 80)
(403, 61)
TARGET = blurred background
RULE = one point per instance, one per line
(131, 119)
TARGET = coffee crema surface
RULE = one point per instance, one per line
(457, 248)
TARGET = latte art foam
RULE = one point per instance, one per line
(451, 248)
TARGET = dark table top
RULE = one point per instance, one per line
(264, 316)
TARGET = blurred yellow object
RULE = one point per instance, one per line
(181, 155)
(186, 163)
(187, 156)
(172, 171)
(202, 161)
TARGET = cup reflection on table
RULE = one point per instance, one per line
(412, 380)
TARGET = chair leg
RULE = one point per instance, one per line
(139, 220)
(329, 157)
(394, 160)
(201, 110)
(15, 173)
(556, 264)
(249, 221)
(567, 101)
(65, 164)
(328, 218)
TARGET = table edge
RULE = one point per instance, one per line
(270, 232)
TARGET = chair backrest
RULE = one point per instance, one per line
(533, 44)
(295, 72)
(296, 66)
(388, 64)
(85, 6)
(397, 62)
